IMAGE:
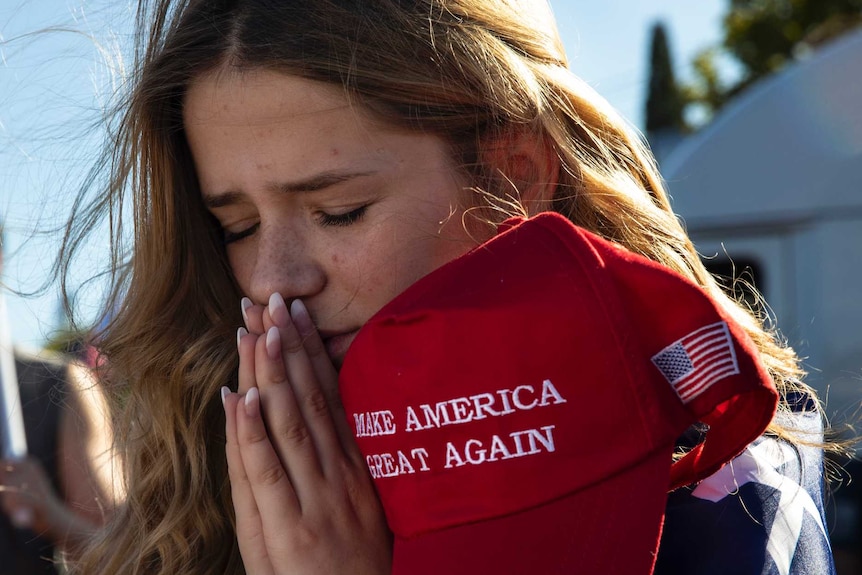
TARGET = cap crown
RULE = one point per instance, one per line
(543, 362)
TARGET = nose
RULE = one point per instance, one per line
(284, 262)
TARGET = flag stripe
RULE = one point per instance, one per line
(705, 341)
(714, 345)
(706, 376)
(699, 374)
(694, 362)
(691, 393)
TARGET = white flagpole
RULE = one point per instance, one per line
(14, 437)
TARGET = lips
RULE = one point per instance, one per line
(337, 345)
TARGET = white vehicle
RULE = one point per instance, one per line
(774, 184)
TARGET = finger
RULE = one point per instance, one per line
(249, 528)
(267, 318)
(252, 314)
(245, 343)
(277, 501)
(288, 429)
(13, 477)
(313, 402)
(245, 507)
(16, 501)
(326, 375)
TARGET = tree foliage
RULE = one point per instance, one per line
(762, 36)
(665, 104)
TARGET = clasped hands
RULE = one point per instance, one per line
(302, 494)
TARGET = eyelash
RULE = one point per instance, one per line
(230, 237)
(324, 219)
(342, 220)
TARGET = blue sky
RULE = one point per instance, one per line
(53, 68)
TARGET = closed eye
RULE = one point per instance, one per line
(230, 237)
(341, 220)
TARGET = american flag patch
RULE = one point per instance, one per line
(698, 360)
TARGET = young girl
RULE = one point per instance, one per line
(293, 166)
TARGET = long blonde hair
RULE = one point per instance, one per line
(466, 70)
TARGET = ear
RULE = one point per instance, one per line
(526, 165)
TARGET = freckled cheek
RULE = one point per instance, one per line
(376, 291)
(372, 280)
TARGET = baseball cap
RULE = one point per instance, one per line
(518, 407)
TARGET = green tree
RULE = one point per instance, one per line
(762, 36)
(665, 103)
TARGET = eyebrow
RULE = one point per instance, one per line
(314, 183)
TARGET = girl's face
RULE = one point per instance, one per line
(318, 201)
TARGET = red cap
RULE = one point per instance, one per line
(519, 406)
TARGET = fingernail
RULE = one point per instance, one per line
(224, 391)
(252, 402)
(278, 310)
(302, 319)
(239, 335)
(273, 342)
(245, 303)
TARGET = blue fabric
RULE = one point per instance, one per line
(762, 514)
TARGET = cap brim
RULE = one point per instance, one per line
(569, 535)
